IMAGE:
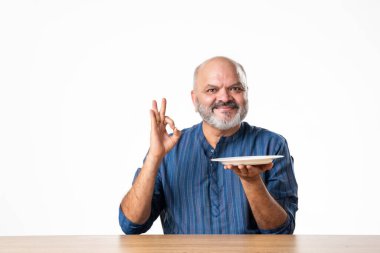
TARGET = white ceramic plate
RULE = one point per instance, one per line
(247, 160)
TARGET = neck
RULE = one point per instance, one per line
(213, 134)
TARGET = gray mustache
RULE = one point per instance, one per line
(230, 104)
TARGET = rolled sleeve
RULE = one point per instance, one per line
(286, 228)
(128, 227)
(131, 228)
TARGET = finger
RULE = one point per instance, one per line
(153, 120)
(243, 170)
(237, 171)
(261, 168)
(155, 110)
(169, 121)
(176, 133)
(163, 109)
(266, 167)
(154, 105)
(229, 166)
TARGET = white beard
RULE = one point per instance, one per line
(222, 124)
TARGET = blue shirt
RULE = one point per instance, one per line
(194, 195)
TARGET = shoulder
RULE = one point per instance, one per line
(263, 136)
(261, 132)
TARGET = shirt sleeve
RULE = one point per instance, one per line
(128, 226)
(282, 185)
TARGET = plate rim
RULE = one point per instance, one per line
(246, 158)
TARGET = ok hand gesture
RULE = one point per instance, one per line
(160, 141)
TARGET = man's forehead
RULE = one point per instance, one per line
(218, 70)
(219, 78)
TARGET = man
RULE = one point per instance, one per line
(194, 195)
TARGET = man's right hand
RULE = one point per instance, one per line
(160, 141)
(136, 204)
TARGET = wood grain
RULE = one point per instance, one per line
(191, 243)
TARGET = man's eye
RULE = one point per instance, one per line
(238, 89)
(211, 90)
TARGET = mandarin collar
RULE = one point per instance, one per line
(223, 139)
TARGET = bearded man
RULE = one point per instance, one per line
(195, 195)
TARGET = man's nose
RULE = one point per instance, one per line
(224, 95)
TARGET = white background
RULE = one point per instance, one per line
(77, 79)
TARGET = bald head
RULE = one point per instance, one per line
(218, 65)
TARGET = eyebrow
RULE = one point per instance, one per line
(235, 84)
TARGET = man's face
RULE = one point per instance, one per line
(219, 96)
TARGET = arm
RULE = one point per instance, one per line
(136, 205)
(272, 198)
(267, 212)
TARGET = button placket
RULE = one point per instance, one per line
(214, 189)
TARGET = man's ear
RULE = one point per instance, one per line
(194, 99)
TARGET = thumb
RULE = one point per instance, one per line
(176, 134)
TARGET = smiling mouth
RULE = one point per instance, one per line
(225, 106)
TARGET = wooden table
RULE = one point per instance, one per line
(191, 243)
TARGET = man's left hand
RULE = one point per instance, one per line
(249, 172)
